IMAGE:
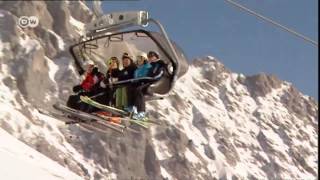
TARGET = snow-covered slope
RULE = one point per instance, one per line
(218, 124)
(228, 131)
(19, 161)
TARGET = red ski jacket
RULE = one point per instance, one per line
(90, 81)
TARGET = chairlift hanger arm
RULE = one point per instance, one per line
(121, 20)
(116, 21)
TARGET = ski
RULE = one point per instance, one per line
(106, 118)
(113, 110)
(116, 111)
(142, 123)
(146, 121)
(51, 114)
(59, 116)
(102, 121)
(122, 119)
(79, 121)
(86, 124)
(85, 117)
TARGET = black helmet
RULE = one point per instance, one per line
(153, 53)
(126, 55)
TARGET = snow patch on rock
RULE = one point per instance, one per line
(61, 43)
(79, 26)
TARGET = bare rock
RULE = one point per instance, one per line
(262, 84)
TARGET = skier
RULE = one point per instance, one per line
(113, 70)
(111, 77)
(123, 96)
(143, 66)
(128, 68)
(154, 67)
(157, 64)
(91, 82)
(88, 87)
(108, 96)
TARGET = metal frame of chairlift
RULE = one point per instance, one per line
(107, 25)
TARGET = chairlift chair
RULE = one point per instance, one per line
(108, 36)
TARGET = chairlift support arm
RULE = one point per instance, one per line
(108, 23)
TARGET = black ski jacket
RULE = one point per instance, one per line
(157, 68)
(127, 73)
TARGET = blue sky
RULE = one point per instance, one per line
(242, 42)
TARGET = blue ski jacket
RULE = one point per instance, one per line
(142, 71)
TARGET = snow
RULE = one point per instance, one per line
(191, 157)
(51, 136)
(161, 150)
(210, 57)
(77, 24)
(53, 68)
(1, 48)
(41, 125)
(233, 113)
(165, 173)
(242, 123)
(61, 44)
(84, 6)
(29, 44)
(221, 117)
(19, 161)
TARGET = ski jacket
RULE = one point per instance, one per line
(91, 80)
(157, 68)
(127, 72)
(112, 75)
(142, 71)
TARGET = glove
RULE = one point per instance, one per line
(77, 89)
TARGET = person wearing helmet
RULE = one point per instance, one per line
(111, 77)
(128, 68)
(90, 83)
(157, 64)
(113, 70)
(149, 66)
(140, 89)
(143, 66)
(123, 97)
(88, 87)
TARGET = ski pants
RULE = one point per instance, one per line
(139, 99)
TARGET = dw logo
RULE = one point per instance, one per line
(31, 21)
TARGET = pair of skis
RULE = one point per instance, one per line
(93, 121)
(126, 116)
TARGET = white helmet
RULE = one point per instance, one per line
(87, 64)
(142, 54)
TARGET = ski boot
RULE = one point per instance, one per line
(141, 116)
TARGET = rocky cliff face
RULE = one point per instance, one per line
(218, 124)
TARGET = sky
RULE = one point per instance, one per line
(243, 43)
